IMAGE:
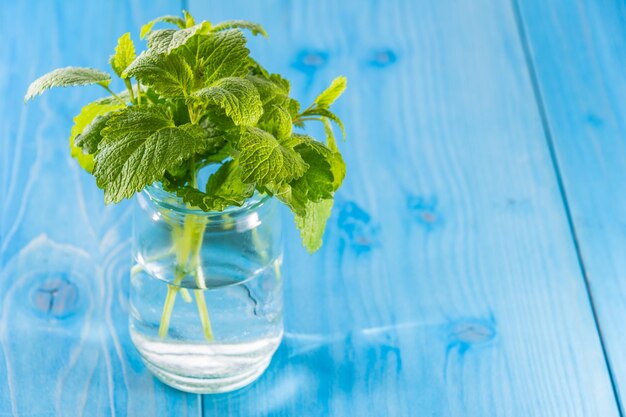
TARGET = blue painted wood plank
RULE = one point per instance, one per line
(449, 284)
(64, 257)
(578, 50)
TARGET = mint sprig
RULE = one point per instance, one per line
(194, 98)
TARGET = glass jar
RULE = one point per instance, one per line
(206, 295)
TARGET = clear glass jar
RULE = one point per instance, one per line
(206, 295)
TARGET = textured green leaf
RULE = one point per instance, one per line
(91, 135)
(267, 88)
(67, 77)
(264, 159)
(169, 75)
(124, 54)
(317, 182)
(227, 184)
(281, 83)
(255, 28)
(165, 40)
(318, 111)
(257, 69)
(215, 56)
(331, 142)
(237, 96)
(189, 20)
(313, 223)
(174, 20)
(278, 108)
(225, 188)
(159, 40)
(332, 93)
(87, 114)
(139, 144)
(337, 164)
(276, 120)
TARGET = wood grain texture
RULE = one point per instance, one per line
(64, 257)
(578, 50)
(449, 284)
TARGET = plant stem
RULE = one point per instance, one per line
(188, 247)
(301, 119)
(113, 94)
(193, 118)
(139, 267)
(168, 307)
(187, 243)
(129, 87)
(204, 315)
(138, 94)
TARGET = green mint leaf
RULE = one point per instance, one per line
(323, 177)
(169, 75)
(264, 159)
(338, 167)
(331, 142)
(317, 182)
(91, 135)
(124, 54)
(257, 69)
(147, 28)
(139, 144)
(337, 163)
(224, 188)
(268, 88)
(332, 93)
(320, 111)
(278, 108)
(215, 56)
(331, 154)
(86, 116)
(159, 40)
(237, 97)
(255, 28)
(280, 82)
(220, 155)
(165, 40)
(189, 20)
(227, 184)
(312, 223)
(67, 77)
(276, 120)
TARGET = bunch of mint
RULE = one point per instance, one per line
(195, 97)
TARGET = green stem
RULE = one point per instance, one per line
(129, 87)
(138, 94)
(204, 315)
(186, 242)
(113, 94)
(306, 119)
(168, 307)
(193, 117)
(139, 268)
(188, 248)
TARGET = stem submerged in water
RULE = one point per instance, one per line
(187, 243)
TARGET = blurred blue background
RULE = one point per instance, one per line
(474, 262)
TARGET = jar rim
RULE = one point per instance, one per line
(165, 199)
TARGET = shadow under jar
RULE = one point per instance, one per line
(206, 295)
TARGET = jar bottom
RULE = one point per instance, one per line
(204, 385)
(202, 368)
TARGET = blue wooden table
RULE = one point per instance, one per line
(475, 263)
